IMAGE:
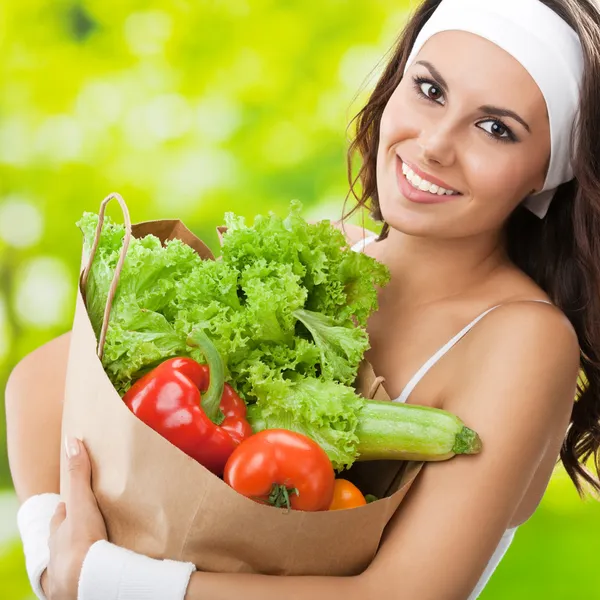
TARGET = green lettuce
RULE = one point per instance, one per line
(339, 283)
(341, 348)
(286, 306)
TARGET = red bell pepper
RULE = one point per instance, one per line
(208, 428)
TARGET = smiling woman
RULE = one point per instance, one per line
(478, 148)
(501, 103)
(440, 117)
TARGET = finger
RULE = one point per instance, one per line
(79, 493)
(58, 517)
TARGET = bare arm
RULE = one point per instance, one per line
(34, 399)
(518, 396)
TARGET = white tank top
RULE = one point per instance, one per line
(509, 534)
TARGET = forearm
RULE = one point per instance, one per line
(34, 398)
(218, 586)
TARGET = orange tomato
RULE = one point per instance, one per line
(346, 495)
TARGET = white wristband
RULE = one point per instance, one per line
(33, 520)
(110, 572)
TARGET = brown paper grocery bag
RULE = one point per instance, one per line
(158, 501)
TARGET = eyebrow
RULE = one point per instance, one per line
(433, 71)
(503, 112)
(486, 108)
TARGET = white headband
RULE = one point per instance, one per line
(548, 49)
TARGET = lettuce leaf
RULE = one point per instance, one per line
(341, 348)
(339, 283)
(272, 293)
(139, 335)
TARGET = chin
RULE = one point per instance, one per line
(400, 215)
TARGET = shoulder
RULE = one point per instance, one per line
(518, 379)
(539, 335)
(352, 233)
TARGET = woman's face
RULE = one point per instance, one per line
(468, 118)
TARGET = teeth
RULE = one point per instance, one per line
(423, 184)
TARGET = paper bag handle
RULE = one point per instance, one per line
(375, 386)
(118, 269)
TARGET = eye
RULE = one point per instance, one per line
(497, 129)
(430, 90)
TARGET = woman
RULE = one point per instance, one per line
(480, 157)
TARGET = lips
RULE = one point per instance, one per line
(419, 196)
(427, 176)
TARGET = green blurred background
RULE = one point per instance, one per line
(189, 109)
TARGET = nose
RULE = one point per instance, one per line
(436, 144)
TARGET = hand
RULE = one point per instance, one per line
(75, 526)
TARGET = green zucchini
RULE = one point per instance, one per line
(397, 431)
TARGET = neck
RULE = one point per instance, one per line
(427, 270)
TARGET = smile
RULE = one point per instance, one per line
(418, 189)
(425, 186)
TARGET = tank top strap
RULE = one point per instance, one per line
(410, 386)
(361, 244)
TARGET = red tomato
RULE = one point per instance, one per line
(346, 495)
(282, 468)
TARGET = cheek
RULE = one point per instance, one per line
(501, 178)
(397, 120)
(396, 125)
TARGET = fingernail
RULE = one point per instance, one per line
(71, 447)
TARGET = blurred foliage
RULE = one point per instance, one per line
(189, 109)
(13, 579)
